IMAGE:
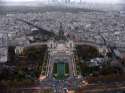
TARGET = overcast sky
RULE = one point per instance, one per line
(104, 1)
(93, 1)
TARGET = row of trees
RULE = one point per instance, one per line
(25, 71)
(85, 53)
(105, 72)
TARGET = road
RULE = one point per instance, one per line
(114, 87)
(61, 53)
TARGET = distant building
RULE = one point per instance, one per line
(3, 55)
(19, 50)
(3, 40)
(96, 62)
(67, 1)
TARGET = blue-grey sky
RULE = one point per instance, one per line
(103, 1)
(90, 1)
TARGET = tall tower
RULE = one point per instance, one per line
(80, 1)
(67, 1)
(61, 32)
(54, 0)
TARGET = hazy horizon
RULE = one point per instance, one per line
(87, 1)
